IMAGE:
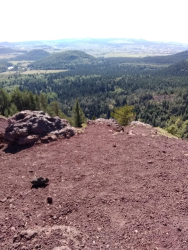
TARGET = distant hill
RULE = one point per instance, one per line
(170, 59)
(167, 59)
(7, 44)
(32, 55)
(5, 50)
(177, 69)
(64, 60)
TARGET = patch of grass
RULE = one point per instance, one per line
(165, 133)
(84, 125)
(8, 73)
(6, 56)
(21, 63)
(42, 71)
(1, 116)
(147, 64)
(124, 54)
(30, 72)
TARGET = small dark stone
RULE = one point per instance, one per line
(39, 182)
(49, 200)
(179, 229)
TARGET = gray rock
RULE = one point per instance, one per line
(28, 139)
(27, 127)
(109, 122)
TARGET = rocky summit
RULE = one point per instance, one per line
(107, 190)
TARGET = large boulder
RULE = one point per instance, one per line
(27, 127)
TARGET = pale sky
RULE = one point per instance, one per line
(159, 20)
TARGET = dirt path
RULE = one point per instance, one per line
(110, 191)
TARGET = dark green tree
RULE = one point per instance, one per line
(4, 101)
(43, 101)
(78, 115)
(17, 98)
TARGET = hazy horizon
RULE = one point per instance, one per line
(163, 21)
(97, 38)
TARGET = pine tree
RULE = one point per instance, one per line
(124, 115)
(78, 115)
(43, 102)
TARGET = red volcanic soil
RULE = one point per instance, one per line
(109, 191)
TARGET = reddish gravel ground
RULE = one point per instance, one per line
(110, 191)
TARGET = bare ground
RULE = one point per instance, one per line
(109, 190)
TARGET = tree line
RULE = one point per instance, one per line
(11, 103)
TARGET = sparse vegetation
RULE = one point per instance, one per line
(124, 115)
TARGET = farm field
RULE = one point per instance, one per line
(32, 72)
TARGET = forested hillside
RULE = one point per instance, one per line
(11, 103)
(159, 94)
(5, 50)
(177, 69)
(166, 59)
(32, 55)
(170, 59)
(64, 60)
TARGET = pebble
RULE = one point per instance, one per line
(49, 200)
(3, 200)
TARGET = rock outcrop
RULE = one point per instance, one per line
(109, 122)
(27, 127)
(138, 123)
